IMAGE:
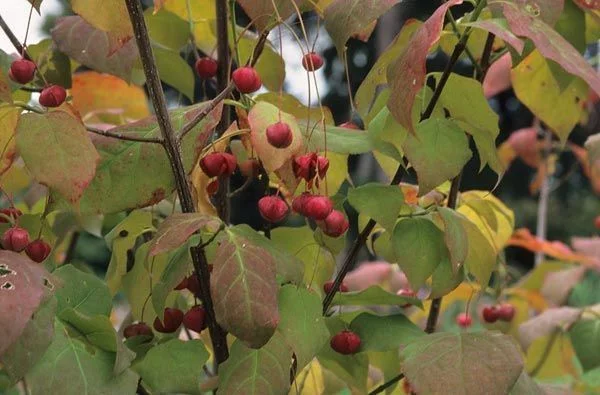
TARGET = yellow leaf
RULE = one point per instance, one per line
(203, 15)
(309, 381)
(558, 361)
(103, 98)
(9, 116)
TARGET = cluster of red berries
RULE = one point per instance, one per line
(502, 312)
(17, 239)
(23, 70)
(345, 342)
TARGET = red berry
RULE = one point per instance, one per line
(38, 250)
(246, 79)
(249, 167)
(346, 342)
(11, 212)
(15, 239)
(182, 285)
(312, 61)
(22, 71)
(349, 125)
(328, 286)
(318, 207)
(322, 166)
(299, 203)
(206, 67)
(172, 320)
(335, 224)
(53, 96)
(408, 390)
(193, 285)
(218, 164)
(407, 292)
(490, 314)
(279, 135)
(305, 166)
(139, 329)
(464, 320)
(597, 222)
(506, 312)
(212, 187)
(272, 208)
(194, 319)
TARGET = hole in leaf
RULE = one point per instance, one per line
(123, 233)
(7, 286)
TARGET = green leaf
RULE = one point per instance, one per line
(585, 337)
(177, 228)
(174, 71)
(167, 29)
(174, 367)
(486, 363)
(260, 117)
(91, 47)
(387, 135)
(536, 87)
(84, 369)
(63, 138)
(591, 378)
(406, 75)
(290, 268)
(179, 265)
(345, 18)
(340, 140)
(526, 385)
(24, 353)
(244, 290)
(23, 289)
(455, 236)
(53, 64)
(444, 279)
(121, 240)
(138, 283)
(438, 152)
(82, 291)
(365, 96)
(419, 248)
(586, 292)
(319, 263)
(301, 324)
(463, 98)
(379, 202)
(257, 372)
(481, 256)
(132, 174)
(373, 296)
(383, 333)
(270, 65)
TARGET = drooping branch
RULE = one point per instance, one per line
(121, 136)
(171, 145)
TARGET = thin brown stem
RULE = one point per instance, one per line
(172, 148)
(121, 136)
(14, 40)
(387, 384)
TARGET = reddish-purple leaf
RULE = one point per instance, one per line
(92, 47)
(58, 152)
(500, 29)
(23, 286)
(546, 323)
(558, 285)
(177, 228)
(344, 18)
(406, 75)
(588, 4)
(527, 20)
(244, 289)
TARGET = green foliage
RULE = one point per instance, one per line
(389, 201)
(585, 336)
(385, 333)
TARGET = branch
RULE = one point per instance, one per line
(171, 145)
(14, 40)
(387, 384)
(121, 136)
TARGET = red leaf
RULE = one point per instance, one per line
(177, 228)
(497, 27)
(524, 142)
(525, 21)
(588, 4)
(23, 287)
(497, 78)
(406, 75)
